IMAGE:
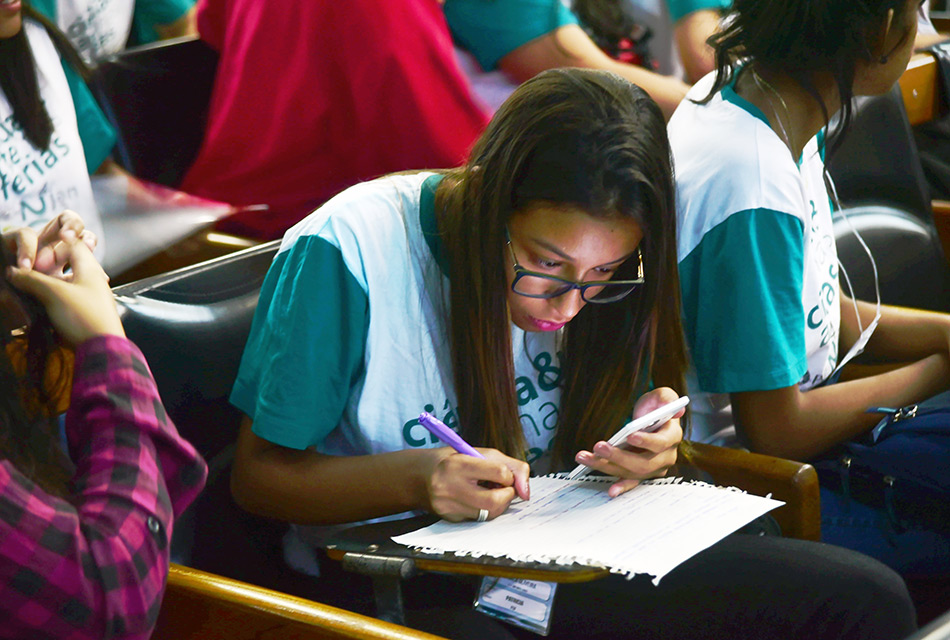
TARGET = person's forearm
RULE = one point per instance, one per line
(690, 34)
(903, 335)
(666, 91)
(310, 488)
(792, 424)
(569, 46)
(924, 40)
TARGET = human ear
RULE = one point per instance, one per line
(887, 29)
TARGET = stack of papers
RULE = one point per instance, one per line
(648, 530)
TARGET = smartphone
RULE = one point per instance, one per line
(649, 422)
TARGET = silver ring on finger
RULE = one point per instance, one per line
(482, 515)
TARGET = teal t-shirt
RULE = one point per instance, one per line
(757, 258)
(149, 13)
(680, 8)
(97, 134)
(491, 29)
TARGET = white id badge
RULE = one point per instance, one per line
(523, 603)
(858, 347)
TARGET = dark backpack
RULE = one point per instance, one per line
(902, 465)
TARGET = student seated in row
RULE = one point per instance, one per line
(524, 37)
(767, 318)
(86, 536)
(530, 299)
(52, 132)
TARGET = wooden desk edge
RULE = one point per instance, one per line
(573, 575)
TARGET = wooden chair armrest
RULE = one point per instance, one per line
(941, 217)
(794, 483)
(202, 245)
(920, 88)
(203, 605)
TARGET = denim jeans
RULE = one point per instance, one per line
(911, 550)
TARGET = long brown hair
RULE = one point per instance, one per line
(592, 140)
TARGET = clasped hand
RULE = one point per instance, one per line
(56, 266)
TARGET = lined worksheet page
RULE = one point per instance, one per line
(650, 529)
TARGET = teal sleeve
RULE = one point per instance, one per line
(45, 7)
(96, 133)
(681, 8)
(742, 303)
(305, 350)
(491, 29)
(149, 13)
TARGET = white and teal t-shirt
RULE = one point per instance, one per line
(757, 256)
(99, 28)
(349, 343)
(36, 185)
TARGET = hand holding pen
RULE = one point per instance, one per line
(476, 485)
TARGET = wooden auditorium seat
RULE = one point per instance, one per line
(204, 606)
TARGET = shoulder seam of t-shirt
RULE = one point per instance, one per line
(725, 218)
(332, 217)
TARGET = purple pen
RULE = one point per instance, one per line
(446, 435)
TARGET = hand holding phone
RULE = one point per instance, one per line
(648, 422)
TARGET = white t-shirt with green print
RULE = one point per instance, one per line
(349, 342)
(36, 185)
(757, 256)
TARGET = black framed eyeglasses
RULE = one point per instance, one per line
(539, 285)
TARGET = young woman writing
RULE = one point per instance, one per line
(85, 537)
(767, 323)
(529, 299)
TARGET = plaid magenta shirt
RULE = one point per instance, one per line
(95, 566)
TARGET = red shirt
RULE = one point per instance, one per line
(314, 96)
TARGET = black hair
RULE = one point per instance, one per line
(802, 39)
(19, 81)
(610, 24)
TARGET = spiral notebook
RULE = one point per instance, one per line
(648, 530)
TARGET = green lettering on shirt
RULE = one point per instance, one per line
(525, 390)
(549, 375)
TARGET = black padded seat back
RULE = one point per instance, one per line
(911, 267)
(878, 161)
(880, 183)
(192, 324)
(157, 97)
